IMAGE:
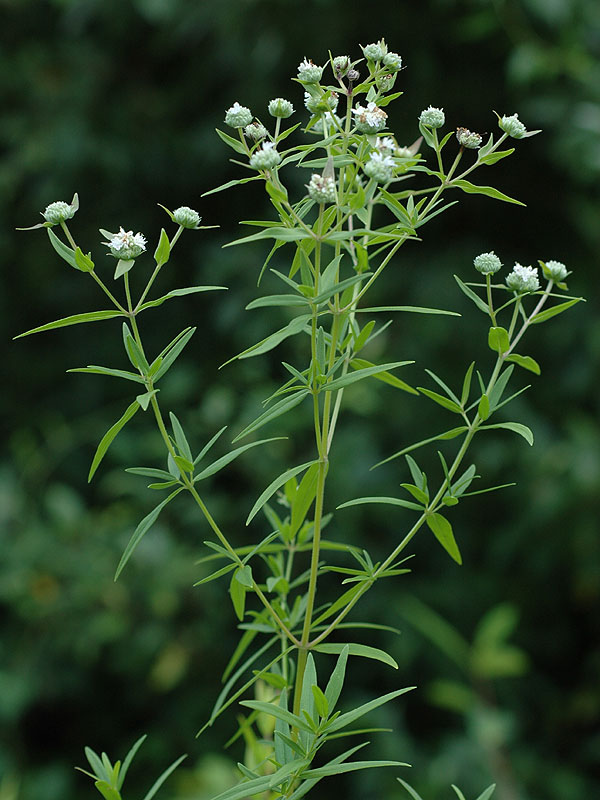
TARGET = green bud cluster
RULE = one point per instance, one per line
(554, 270)
(255, 131)
(186, 217)
(280, 108)
(58, 212)
(432, 117)
(513, 126)
(487, 263)
(321, 189)
(265, 158)
(468, 139)
(238, 116)
(375, 51)
(309, 72)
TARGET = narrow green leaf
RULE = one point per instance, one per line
(336, 680)
(359, 374)
(466, 387)
(483, 408)
(385, 377)
(442, 530)
(184, 464)
(419, 495)
(412, 309)
(498, 340)
(108, 437)
(163, 249)
(393, 501)
(485, 795)
(352, 766)
(158, 783)
(229, 184)
(516, 427)
(116, 373)
(214, 575)
(235, 144)
(75, 319)
(527, 362)
(362, 650)
(237, 592)
(107, 791)
(445, 402)
(472, 296)
(276, 410)
(142, 528)
(63, 251)
(274, 486)
(552, 312)
(229, 457)
(291, 329)
(282, 234)
(243, 575)
(277, 300)
(409, 789)
(320, 702)
(338, 288)
(180, 438)
(128, 759)
(303, 498)
(489, 191)
(173, 352)
(446, 435)
(492, 158)
(179, 293)
(83, 261)
(273, 710)
(351, 716)
(458, 792)
(95, 763)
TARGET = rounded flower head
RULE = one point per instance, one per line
(375, 51)
(468, 139)
(370, 119)
(386, 145)
(513, 126)
(58, 212)
(186, 217)
(487, 263)
(265, 158)
(321, 189)
(280, 108)
(126, 245)
(386, 82)
(341, 65)
(554, 270)
(326, 102)
(393, 61)
(432, 117)
(380, 167)
(255, 131)
(238, 116)
(353, 75)
(523, 279)
(404, 152)
(309, 72)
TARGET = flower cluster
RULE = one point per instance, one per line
(324, 102)
(341, 65)
(58, 212)
(321, 189)
(265, 158)
(523, 279)
(238, 116)
(380, 167)
(255, 131)
(279, 107)
(309, 72)
(487, 263)
(468, 139)
(513, 126)
(186, 217)
(126, 245)
(554, 270)
(375, 51)
(370, 119)
(432, 117)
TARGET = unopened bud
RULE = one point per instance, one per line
(309, 72)
(432, 117)
(255, 131)
(487, 263)
(321, 189)
(375, 51)
(393, 61)
(513, 126)
(341, 65)
(186, 217)
(238, 116)
(58, 212)
(281, 108)
(468, 139)
(265, 158)
(554, 270)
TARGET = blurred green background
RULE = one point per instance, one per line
(118, 100)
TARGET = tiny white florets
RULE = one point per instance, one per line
(380, 167)
(266, 157)
(432, 117)
(370, 119)
(238, 116)
(523, 279)
(487, 263)
(126, 245)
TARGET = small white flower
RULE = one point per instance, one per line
(126, 245)
(487, 263)
(555, 271)
(513, 126)
(309, 72)
(432, 117)
(321, 189)
(238, 116)
(386, 145)
(266, 157)
(380, 167)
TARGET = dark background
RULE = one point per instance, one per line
(118, 100)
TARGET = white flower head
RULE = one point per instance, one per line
(370, 119)
(555, 271)
(308, 72)
(126, 245)
(523, 279)
(386, 145)
(432, 117)
(238, 116)
(266, 157)
(487, 263)
(380, 167)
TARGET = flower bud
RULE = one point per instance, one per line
(386, 82)
(341, 65)
(386, 145)
(404, 152)
(393, 61)
(186, 217)
(321, 189)
(380, 167)
(523, 279)
(513, 126)
(238, 116)
(432, 117)
(353, 75)
(309, 72)
(468, 139)
(487, 263)
(58, 212)
(265, 158)
(255, 131)
(126, 245)
(554, 270)
(370, 119)
(325, 102)
(375, 51)
(280, 108)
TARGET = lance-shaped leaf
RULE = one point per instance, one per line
(229, 457)
(280, 233)
(276, 410)
(354, 649)
(291, 329)
(163, 249)
(516, 427)
(359, 374)
(527, 362)
(442, 530)
(108, 437)
(142, 529)
(173, 351)
(481, 305)
(385, 377)
(75, 319)
(352, 766)
(115, 373)
(548, 313)
(489, 191)
(446, 435)
(274, 486)
(392, 501)
(351, 716)
(278, 300)
(411, 309)
(445, 402)
(179, 293)
(159, 782)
